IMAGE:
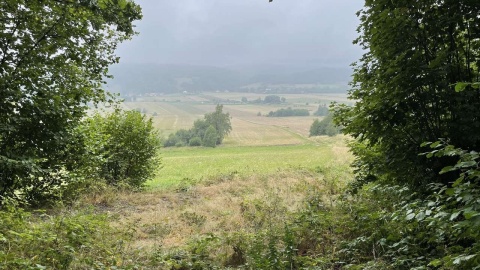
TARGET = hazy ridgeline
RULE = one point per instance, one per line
(138, 79)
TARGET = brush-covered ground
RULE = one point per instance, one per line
(248, 204)
(221, 190)
(208, 208)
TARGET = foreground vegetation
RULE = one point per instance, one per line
(298, 218)
(412, 203)
(217, 220)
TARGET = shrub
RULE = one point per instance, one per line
(195, 141)
(272, 99)
(324, 127)
(170, 141)
(125, 145)
(179, 144)
(69, 241)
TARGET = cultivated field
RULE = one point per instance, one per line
(174, 112)
(256, 145)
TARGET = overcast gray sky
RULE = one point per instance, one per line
(245, 32)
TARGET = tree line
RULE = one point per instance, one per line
(288, 112)
(209, 131)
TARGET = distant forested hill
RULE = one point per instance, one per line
(154, 78)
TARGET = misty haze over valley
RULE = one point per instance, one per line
(245, 46)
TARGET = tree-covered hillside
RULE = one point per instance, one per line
(155, 78)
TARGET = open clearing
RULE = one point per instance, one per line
(256, 145)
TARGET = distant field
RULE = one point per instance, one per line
(292, 98)
(173, 112)
(169, 117)
(196, 164)
(257, 144)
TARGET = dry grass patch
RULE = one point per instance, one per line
(221, 206)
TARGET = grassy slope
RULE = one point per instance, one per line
(204, 163)
(225, 187)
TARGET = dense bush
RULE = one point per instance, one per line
(122, 147)
(404, 85)
(288, 112)
(196, 141)
(405, 229)
(410, 89)
(324, 127)
(55, 57)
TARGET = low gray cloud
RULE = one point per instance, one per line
(245, 32)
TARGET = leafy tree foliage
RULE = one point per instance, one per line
(272, 99)
(210, 137)
(219, 120)
(125, 145)
(322, 110)
(288, 112)
(404, 84)
(53, 57)
(324, 127)
(195, 141)
(417, 82)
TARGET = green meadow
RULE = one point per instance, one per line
(257, 145)
(189, 164)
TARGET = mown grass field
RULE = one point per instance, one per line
(184, 165)
(225, 190)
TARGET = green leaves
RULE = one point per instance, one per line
(54, 56)
(403, 86)
(324, 127)
(124, 148)
(461, 86)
